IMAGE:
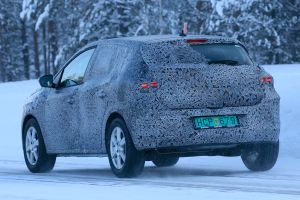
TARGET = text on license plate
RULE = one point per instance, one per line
(216, 121)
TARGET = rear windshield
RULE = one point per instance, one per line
(166, 53)
(231, 54)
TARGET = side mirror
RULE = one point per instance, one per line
(46, 81)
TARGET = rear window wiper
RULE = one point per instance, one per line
(227, 62)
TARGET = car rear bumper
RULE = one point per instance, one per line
(175, 128)
(203, 150)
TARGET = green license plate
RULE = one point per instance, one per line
(216, 122)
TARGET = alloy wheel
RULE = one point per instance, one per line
(118, 147)
(32, 144)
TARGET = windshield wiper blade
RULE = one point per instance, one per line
(227, 62)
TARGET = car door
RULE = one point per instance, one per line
(94, 95)
(98, 93)
(62, 111)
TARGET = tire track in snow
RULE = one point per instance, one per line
(245, 183)
(128, 182)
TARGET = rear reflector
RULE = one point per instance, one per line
(193, 41)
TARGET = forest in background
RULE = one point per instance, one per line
(37, 36)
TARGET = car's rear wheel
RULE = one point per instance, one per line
(260, 157)
(165, 160)
(36, 157)
(124, 159)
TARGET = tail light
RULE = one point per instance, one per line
(144, 85)
(267, 79)
(152, 84)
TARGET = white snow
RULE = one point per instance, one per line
(138, 30)
(59, 56)
(192, 178)
(42, 17)
(28, 7)
(12, 98)
(219, 5)
(287, 84)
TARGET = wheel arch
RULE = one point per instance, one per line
(26, 119)
(111, 117)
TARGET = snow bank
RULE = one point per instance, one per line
(287, 83)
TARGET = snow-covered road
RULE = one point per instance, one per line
(76, 178)
(192, 178)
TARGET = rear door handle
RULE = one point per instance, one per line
(101, 94)
(71, 101)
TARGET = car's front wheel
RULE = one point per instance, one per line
(124, 159)
(260, 157)
(36, 157)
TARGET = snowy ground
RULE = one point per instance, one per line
(192, 178)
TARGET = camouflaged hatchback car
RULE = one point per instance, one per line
(154, 98)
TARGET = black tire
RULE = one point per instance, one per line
(44, 161)
(260, 157)
(134, 160)
(165, 160)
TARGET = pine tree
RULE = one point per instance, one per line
(10, 42)
(37, 36)
(31, 10)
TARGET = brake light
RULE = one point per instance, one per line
(193, 41)
(267, 79)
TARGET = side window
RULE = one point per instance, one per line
(104, 61)
(73, 74)
(109, 58)
(121, 57)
